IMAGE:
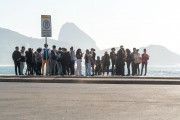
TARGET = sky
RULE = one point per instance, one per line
(111, 23)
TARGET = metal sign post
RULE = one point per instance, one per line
(46, 30)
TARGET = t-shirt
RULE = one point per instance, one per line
(145, 58)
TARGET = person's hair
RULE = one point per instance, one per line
(105, 52)
(29, 49)
(45, 45)
(16, 47)
(71, 48)
(39, 50)
(128, 51)
(54, 46)
(78, 50)
(23, 47)
(87, 51)
(98, 58)
(60, 48)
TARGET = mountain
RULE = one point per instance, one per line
(70, 33)
(159, 55)
(10, 39)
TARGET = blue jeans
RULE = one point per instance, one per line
(88, 69)
(59, 65)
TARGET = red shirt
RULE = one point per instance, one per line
(145, 58)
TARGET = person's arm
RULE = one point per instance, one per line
(13, 56)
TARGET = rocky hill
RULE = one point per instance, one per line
(9, 39)
(159, 55)
(70, 33)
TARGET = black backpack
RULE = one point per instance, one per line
(53, 55)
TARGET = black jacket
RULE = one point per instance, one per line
(16, 56)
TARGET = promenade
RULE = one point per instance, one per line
(93, 98)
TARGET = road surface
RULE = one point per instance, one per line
(69, 101)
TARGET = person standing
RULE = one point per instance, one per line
(16, 56)
(136, 62)
(29, 61)
(145, 58)
(98, 66)
(120, 61)
(93, 55)
(53, 59)
(22, 62)
(113, 59)
(87, 58)
(45, 60)
(73, 59)
(106, 63)
(59, 61)
(79, 56)
(133, 64)
(38, 58)
(128, 60)
(66, 58)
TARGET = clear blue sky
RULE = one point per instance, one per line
(133, 23)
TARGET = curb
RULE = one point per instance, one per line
(95, 80)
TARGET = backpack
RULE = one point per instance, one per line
(53, 55)
(46, 54)
(106, 60)
(59, 57)
(66, 58)
(38, 58)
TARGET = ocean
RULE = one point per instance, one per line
(153, 70)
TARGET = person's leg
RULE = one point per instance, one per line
(78, 67)
(145, 68)
(138, 69)
(128, 68)
(38, 69)
(104, 66)
(15, 66)
(21, 67)
(107, 70)
(73, 69)
(52, 67)
(55, 67)
(92, 69)
(133, 68)
(123, 70)
(86, 67)
(142, 67)
(47, 67)
(18, 65)
(113, 63)
(43, 63)
(59, 68)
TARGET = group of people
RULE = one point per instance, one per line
(62, 62)
(119, 59)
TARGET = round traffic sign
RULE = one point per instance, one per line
(46, 24)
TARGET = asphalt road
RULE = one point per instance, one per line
(57, 101)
